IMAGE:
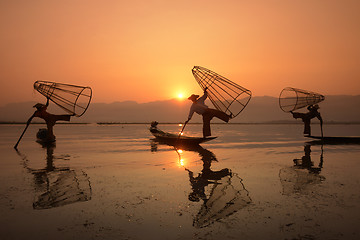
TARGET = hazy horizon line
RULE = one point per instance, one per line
(169, 99)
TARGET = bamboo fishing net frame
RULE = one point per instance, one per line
(66, 96)
(225, 95)
(291, 99)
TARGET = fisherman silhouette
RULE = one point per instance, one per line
(306, 118)
(207, 113)
(50, 119)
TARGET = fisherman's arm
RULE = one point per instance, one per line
(203, 97)
(191, 113)
(47, 101)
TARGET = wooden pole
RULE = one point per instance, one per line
(27, 125)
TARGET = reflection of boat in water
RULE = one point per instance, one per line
(58, 186)
(302, 174)
(176, 139)
(334, 140)
(227, 195)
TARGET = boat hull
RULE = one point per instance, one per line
(173, 139)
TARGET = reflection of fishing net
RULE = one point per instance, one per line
(227, 196)
(225, 95)
(73, 99)
(297, 180)
(64, 187)
(292, 99)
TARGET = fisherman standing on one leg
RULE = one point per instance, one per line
(50, 119)
(306, 118)
(207, 113)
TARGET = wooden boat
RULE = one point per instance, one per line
(41, 137)
(174, 139)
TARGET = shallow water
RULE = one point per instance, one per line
(115, 182)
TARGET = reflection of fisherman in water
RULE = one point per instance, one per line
(302, 175)
(49, 118)
(306, 163)
(206, 177)
(227, 195)
(306, 117)
(57, 186)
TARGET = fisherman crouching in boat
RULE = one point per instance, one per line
(50, 119)
(306, 118)
(207, 113)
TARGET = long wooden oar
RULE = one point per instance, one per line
(27, 125)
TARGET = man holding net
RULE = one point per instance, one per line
(198, 106)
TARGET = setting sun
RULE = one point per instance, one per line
(180, 96)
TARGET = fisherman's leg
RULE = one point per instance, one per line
(64, 117)
(206, 125)
(219, 114)
(307, 129)
(297, 115)
(50, 131)
(51, 121)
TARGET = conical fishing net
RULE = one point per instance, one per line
(73, 99)
(291, 99)
(224, 94)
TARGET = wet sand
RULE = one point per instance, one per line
(114, 182)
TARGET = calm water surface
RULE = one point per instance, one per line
(115, 182)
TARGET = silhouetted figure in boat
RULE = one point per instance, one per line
(207, 113)
(206, 177)
(50, 119)
(306, 118)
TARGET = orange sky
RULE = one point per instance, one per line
(145, 50)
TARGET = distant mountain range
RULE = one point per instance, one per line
(337, 108)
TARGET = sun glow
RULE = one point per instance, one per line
(180, 96)
(182, 163)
